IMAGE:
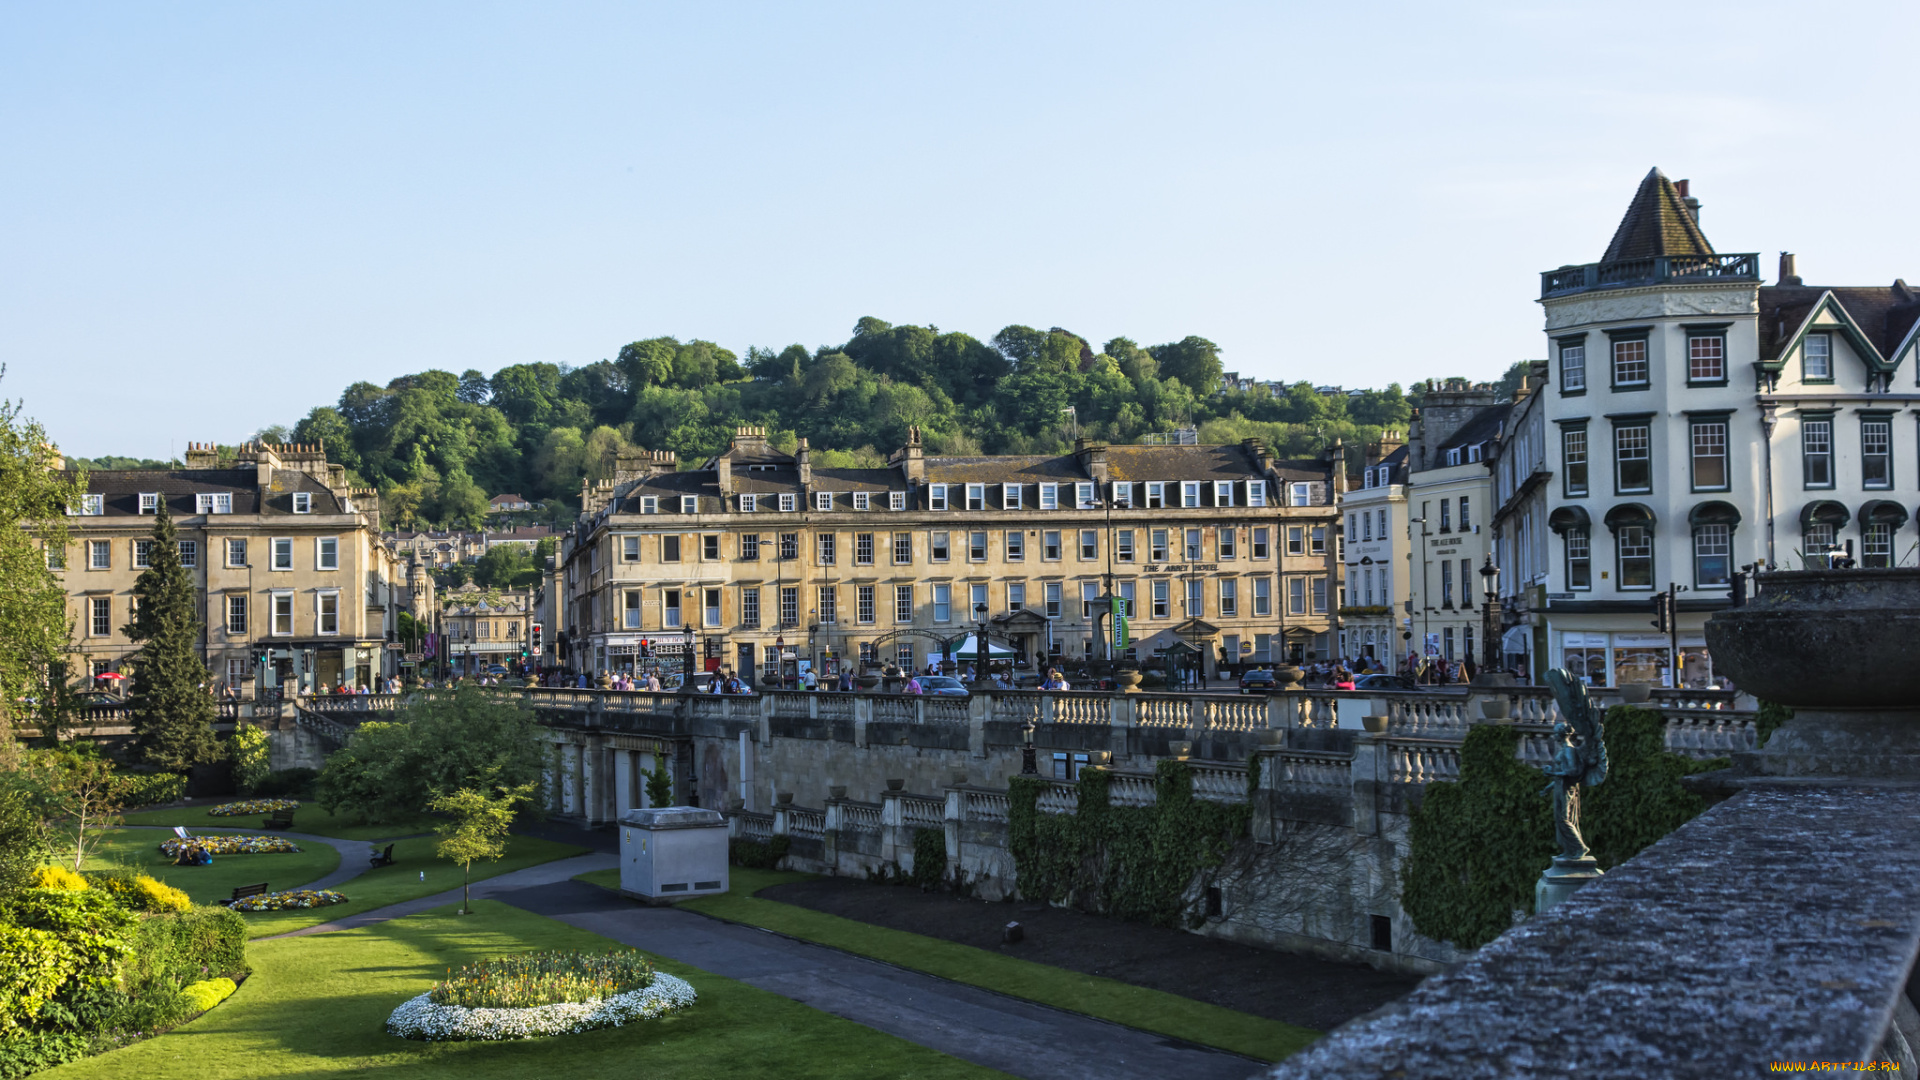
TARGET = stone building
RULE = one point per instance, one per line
(285, 556)
(1520, 476)
(1450, 504)
(1222, 556)
(1375, 512)
(484, 628)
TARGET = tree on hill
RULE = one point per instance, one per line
(173, 712)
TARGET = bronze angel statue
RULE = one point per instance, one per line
(1580, 759)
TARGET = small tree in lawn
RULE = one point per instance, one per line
(660, 782)
(476, 828)
(89, 796)
(173, 713)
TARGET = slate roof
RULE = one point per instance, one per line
(1483, 427)
(1885, 314)
(122, 489)
(1656, 223)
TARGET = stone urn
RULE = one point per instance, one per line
(1375, 725)
(604, 681)
(837, 791)
(1635, 693)
(867, 680)
(896, 785)
(1496, 707)
(736, 803)
(1180, 748)
(1839, 647)
(783, 798)
(1128, 680)
(1287, 676)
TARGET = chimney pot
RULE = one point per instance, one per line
(1789, 269)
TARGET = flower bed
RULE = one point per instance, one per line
(229, 845)
(290, 900)
(544, 978)
(253, 806)
(420, 1018)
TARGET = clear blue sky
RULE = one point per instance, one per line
(214, 217)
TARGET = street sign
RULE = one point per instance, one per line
(414, 657)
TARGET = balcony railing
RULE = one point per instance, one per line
(1628, 273)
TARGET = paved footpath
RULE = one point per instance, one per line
(1018, 1037)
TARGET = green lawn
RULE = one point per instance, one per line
(1135, 1006)
(316, 1006)
(309, 818)
(139, 849)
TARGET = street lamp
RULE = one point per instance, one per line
(780, 660)
(1489, 614)
(980, 654)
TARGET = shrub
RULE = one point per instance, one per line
(57, 877)
(447, 742)
(34, 966)
(543, 978)
(1641, 800)
(757, 855)
(207, 993)
(247, 751)
(1772, 715)
(139, 892)
(287, 783)
(194, 944)
(151, 789)
(26, 1052)
(929, 857)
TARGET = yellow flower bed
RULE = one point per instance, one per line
(253, 806)
(229, 845)
(290, 900)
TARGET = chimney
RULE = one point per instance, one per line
(202, 456)
(1092, 457)
(910, 459)
(1789, 272)
(723, 473)
(803, 459)
(1692, 204)
(265, 460)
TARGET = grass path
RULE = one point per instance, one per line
(1091, 995)
(316, 1007)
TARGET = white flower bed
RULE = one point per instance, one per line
(419, 1018)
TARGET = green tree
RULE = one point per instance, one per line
(25, 841)
(35, 629)
(442, 742)
(660, 783)
(1193, 360)
(173, 713)
(476, 827)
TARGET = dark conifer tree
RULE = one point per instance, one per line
(173, 712)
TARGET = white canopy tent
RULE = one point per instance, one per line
(966, 650)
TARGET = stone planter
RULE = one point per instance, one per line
(784, 798)
(1375, 725)
(1496, 707)
(837, 791)
(867, 680)
(1128, 679)
(896, 785)
(1635, 693)
(1837, 646)
(1180, 748)
(1286, 677)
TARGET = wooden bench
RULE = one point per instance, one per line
(244, 891)
(281, 820)
(383, 858)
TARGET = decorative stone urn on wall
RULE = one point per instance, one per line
(1842, 647)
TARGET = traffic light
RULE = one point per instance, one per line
(646, 649)
(536, 639)
(1661, 611)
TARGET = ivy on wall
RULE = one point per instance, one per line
(929, 857)
(1771, 716)
(1135, 863)
(1478, 845)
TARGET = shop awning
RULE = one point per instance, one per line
(1714, 513)
(1569, 517)
(1517, 641)
(1630, 514)
(1823, 512)
(1882, 512)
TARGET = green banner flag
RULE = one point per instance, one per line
(1120, 639)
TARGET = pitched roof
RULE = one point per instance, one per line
(1656, 223)
(122, 489)
(1884, 314)
(1482, 427)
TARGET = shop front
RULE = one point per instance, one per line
(1616, 658)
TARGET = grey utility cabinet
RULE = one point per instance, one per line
(669, 853)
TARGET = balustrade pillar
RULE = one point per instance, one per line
(622, 783)
(1367, 773)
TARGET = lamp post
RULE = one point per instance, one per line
(1425, 609)
(980, 653)
(780, 660)
(1490, 655)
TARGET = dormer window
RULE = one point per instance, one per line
(1122, 493)
(749, 503)
(219, 502)
(1223, 493)
(302, 502)
(976, 496)
(1010, 496)
(650, 504)
(1083, 496)
(896, 500)
(1256, 493)
(936, 496)
(1190, 493)
(689, 504)
(149, 502)
(1049, 496)
(789, 503)
(823, 500)
(90, 506)
(1473, 453)
(862, 500)
(1300, 495)
(1453, 456)
(1366, 478)
(1156, 494)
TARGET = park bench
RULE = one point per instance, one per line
(281, 820)
(243, 891)
(383, 858)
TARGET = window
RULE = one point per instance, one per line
(1083, 496)
(629, 549)
(1573, 366)
(903, 603)
(92, 506)
(1194, 604)
(189, 553)
(942, 603)
(1709, 455)
(936, 496)
(219, 502)
(937, 547)
(1579, 560)
(828, 604)
(1633, 548)
(650, 504)
(1223, 493)
(326, 553)
(1876, 452)
(865, 601)
(1629, 363)
(896, 500)
(1296, 540)
(1366, 577)
(1296, 596)
(1156, 495)
(1573, 458)
(1223, 543)
(1191, 549)
(1816, 452)
(142, 554)
(1319, 584)
(1446, 515)
(150, 502)
(1632, 459)
(863, 549)
(1053, 599)
(825, 548)
(1876, 546)
(303, 502)
(1261, 549)
(1262, 597)
(750, 607)
(1049, 496)
(1256, 493)
(328, 609)
(1229, 598)
(236, 613)
(1816, 358)
(1712, 554)
(1299, 494)
(1010, 496)
(789, 503)
(789, 546)
(1121, 493)
(823, 500)
(283, 614)
(670, 609)
(100, 616)
(750, 547)
(1706, 358)
(282, 553)
(710, 547)
(1317, 540)
(1125, 591)
(1016, 545)
(749, 503)
(1190, 493)
(1446, 583)
(1160, 599)
(56, 558)
(1016, 595)
(670, 549)
(1816, 543)
(1157, 549)
(236, 552)
(1382, 517)
(976, 547)
(976, 496)
(1050, 546)
(1453, 456)
(977, 600)
(1466, 525)
(1089, 545)
(1089, 598)
(861, 500)
(630, 610)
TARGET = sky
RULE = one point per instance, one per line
(215, 217)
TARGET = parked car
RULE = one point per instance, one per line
(943, 686)
(1257, 679)
(1385, 682)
